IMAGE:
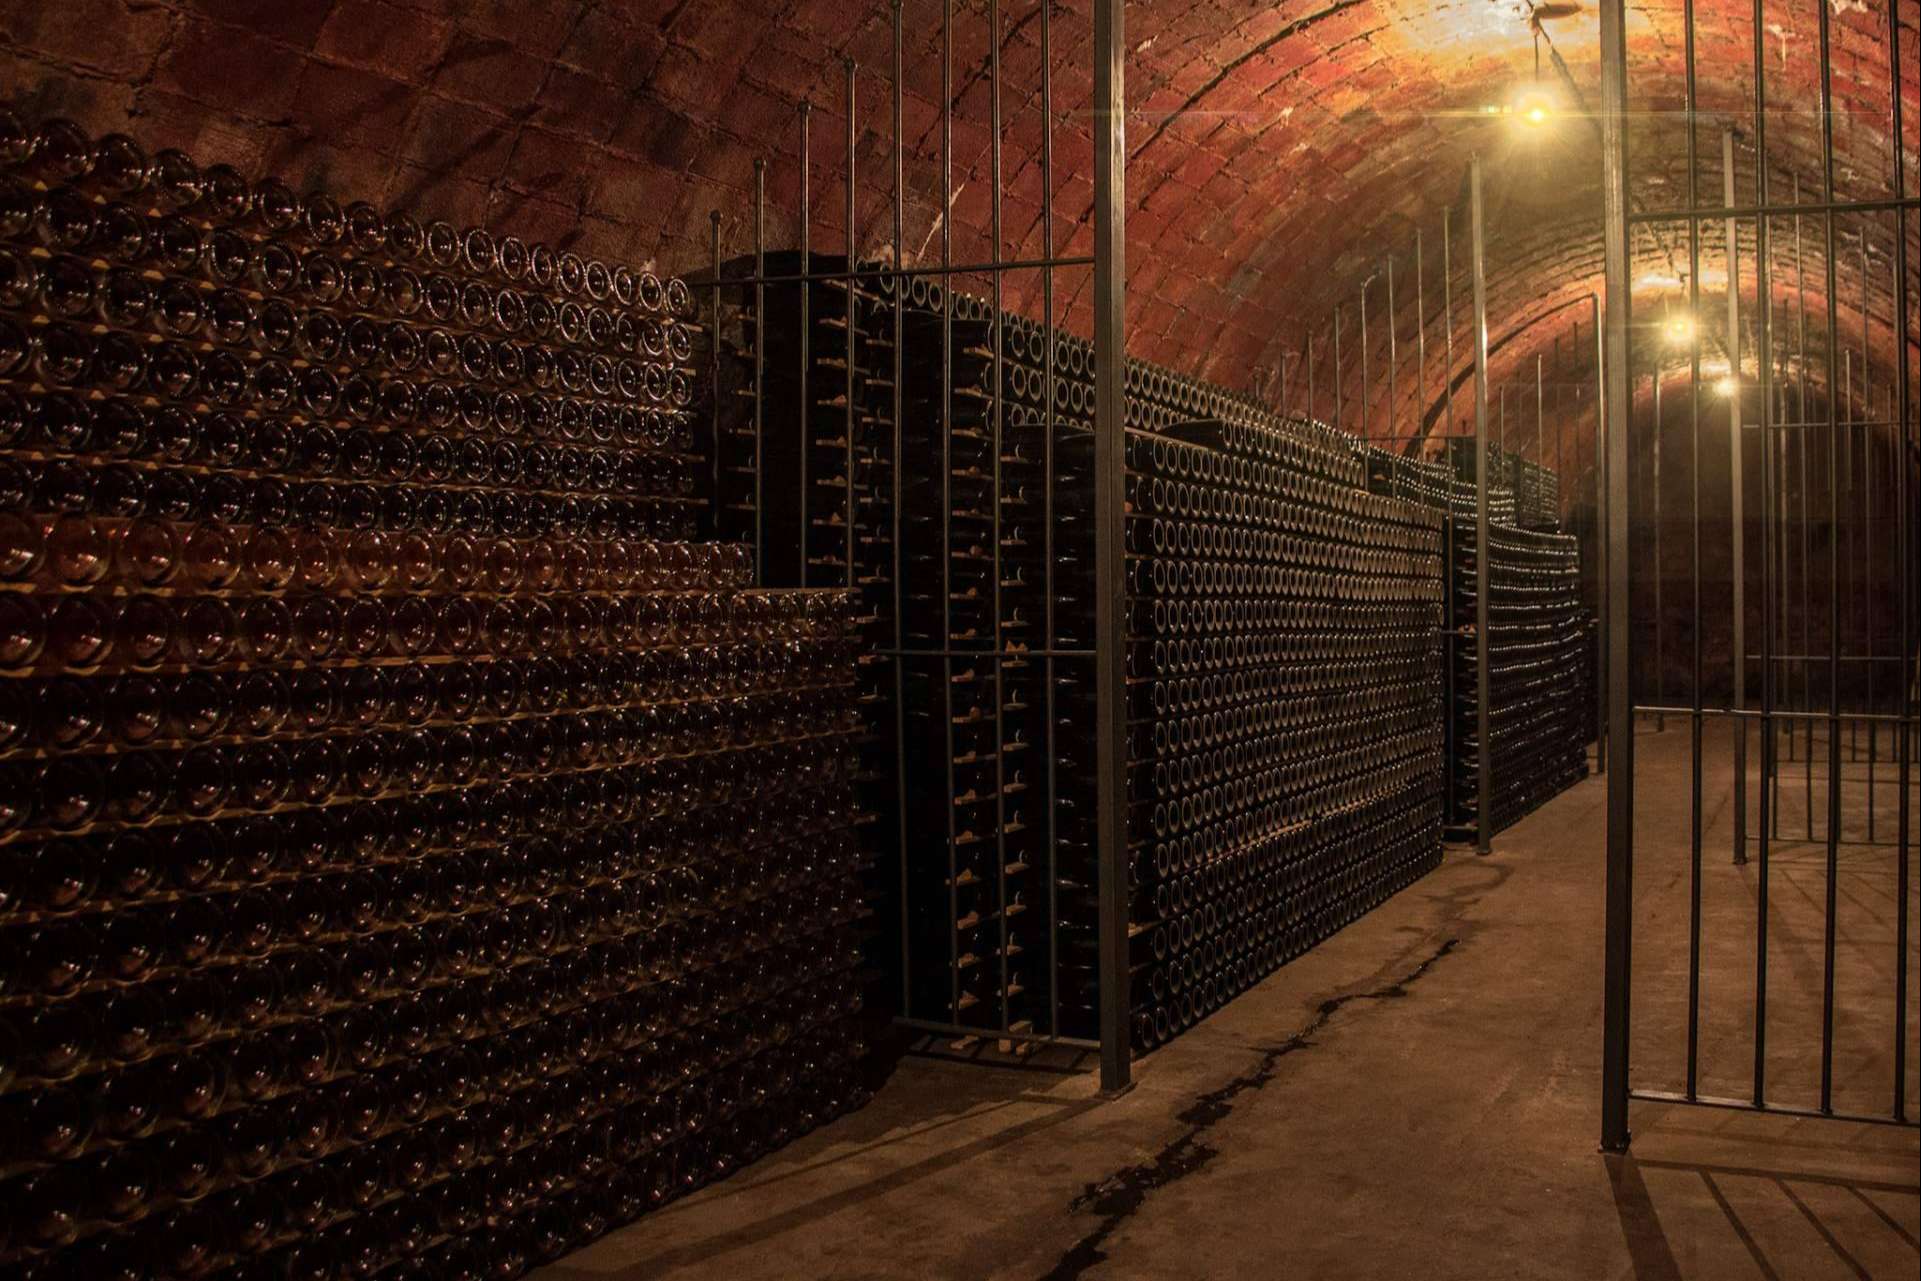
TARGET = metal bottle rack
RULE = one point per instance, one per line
(974, 558)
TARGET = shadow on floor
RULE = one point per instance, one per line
(1653, 1256)
(856, 1149)
(1647, 1243)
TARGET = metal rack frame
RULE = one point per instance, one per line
(1762, 210)
(1106, 123)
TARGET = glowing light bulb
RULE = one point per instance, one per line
(1727, 387)
(1532, 108)
(1680, 330)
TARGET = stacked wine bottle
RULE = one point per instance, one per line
(973, 603)
(1537, 494)
(806, 447)
(1284, 735)
(1538, 704)
(1508, 475)
(415, 855)
(956, 722)
(1539, 655)
(994, 610)
(1436, 484)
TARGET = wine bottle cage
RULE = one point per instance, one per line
(416, 856)
(1283, 654)
(1538, 656)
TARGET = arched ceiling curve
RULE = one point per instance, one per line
(1279, 150)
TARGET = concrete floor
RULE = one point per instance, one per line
(1416, 1097)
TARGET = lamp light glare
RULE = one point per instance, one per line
(1726, 387)
(1532, 109)
(1680, 330)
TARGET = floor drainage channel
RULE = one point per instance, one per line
(1121, 1194)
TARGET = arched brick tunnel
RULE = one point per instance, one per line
(1163, 812)
(1278, 155)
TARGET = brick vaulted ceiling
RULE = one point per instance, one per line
(1279, 150)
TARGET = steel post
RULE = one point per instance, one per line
(1110, 346)
(1620, 799)
(1737, 495)
(1483, 817)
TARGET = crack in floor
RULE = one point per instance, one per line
(1121, 1194)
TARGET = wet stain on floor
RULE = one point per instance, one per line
(1120, 1195)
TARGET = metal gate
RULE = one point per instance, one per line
(1814, 700)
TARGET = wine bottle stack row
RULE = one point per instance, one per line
(1046, 413)
(1538, 705)
(415, 856)
(1537, 494)
(1283, 700)
(1160, 399)
(981, 773)
(955, 754)
(1532, 489)
(990, 592)
(1539, 656)
(1508, 475)
(177, 341)
(1436, 485)
(821, 425)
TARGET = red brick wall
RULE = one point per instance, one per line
(1277, 152)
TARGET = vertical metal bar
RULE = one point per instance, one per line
(996, 425)
(1801, 449)
(1845, 530)
(760, 368)
(1393, 350)
(1602, 557)
(1047, 510)
(1110, 347)
(1784, 545)
(1834, 579)
(1447, 314)
(1483, 553)
(1904, 573)
(1337, 367)
(853, 285)
(1864, 520)
(713, 375)
(1620, 831)
(1763, 368)
(1660, 665)
(1313, 396)
(1861, 564)
(1694, 563)
(1737, 491)
(1420, 340)
(1365, 375)
(1783, 561)
(947, 478)
(1560, 438)
(894, 546)
(804, 402)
